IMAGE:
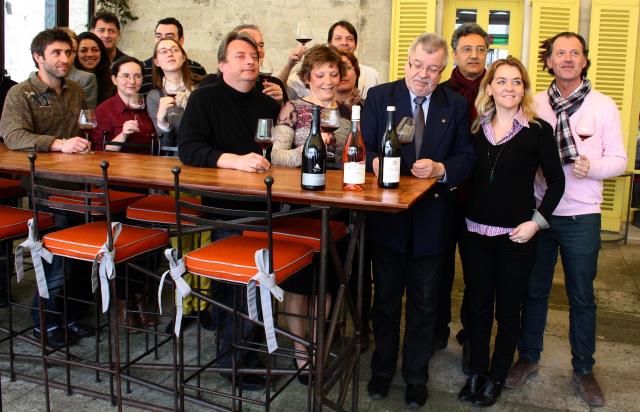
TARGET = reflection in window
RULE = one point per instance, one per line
(466, 16)
(496, 54)
(499, 27)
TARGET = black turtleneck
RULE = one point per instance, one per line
(219, 119)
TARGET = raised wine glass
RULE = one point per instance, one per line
(264, 136)
(87, 122)
(586, 126)
(266, 68)
(136, 102)
(303, 31)
(405, 130)
(329, 123)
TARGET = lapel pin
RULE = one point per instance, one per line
(444, 120)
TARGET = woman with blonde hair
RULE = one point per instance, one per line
(502, 219)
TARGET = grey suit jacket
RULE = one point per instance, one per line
(88, 83)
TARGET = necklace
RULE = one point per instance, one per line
(493, 168)
(172, 88)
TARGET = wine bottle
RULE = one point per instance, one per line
(389, 163)
(354, 155)
(314, 157)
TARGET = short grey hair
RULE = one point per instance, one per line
(247, 27)
(231, 36)
(467, 29)
(430, 43)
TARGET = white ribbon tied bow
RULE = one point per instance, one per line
(177, 269)
(104, 266)
(268, 287)
(38, 252)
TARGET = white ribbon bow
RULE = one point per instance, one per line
(38, 252)
(268, 287)
(104, 266)
(177, 269)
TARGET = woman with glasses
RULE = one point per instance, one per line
(92, 57)
(172, 84)
(502, 220)
(122, 116)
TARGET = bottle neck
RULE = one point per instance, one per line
(315, 123)
(389, 121)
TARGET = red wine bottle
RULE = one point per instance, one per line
(314, 157)
(389, 163)
(354, 155)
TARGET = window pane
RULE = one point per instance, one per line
(496, 54)
(23, 19)
(466, 16)
(78, 15)
(499, 27)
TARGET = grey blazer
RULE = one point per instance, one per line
(88, 83)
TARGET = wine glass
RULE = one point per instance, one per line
(329, 123)
(264, 137)
(266, 68)
(586, 126)
(303, 31)
(405, 130)
(136, 102)
(87, 122)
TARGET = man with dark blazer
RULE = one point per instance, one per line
(407, 247)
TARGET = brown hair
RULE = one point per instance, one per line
(354, 62)
(485, 102)
(546, 50)
(157, 74)
(317, 56)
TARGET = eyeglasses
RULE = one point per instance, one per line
(432, 70)
(469, 49)
(128, 77)
(165, 51)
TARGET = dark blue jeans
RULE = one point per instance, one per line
(54, 273)
(577, 238)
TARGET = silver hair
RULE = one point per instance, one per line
(430, 43)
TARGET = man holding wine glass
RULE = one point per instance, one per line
(572, 107)
(407, 247)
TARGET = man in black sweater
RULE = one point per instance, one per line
(217, 130)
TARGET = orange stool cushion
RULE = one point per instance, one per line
(119, 200)
(13, 221)
(159, 209)
(83, 242)
(303, 230)
(233, 259)
(10, 188)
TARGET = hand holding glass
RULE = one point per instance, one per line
(136, 102)
(87, 122)
(264, 137)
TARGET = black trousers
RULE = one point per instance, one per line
(497, 271)
(394, 273)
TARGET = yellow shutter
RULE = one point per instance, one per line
(409, 18)
(548, 18)
(613, 38)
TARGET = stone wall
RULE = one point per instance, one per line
(206, 22)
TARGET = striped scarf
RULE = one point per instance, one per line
(563, 109)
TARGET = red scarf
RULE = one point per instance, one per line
(467, 88)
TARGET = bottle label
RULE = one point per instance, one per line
(314, 179)
(391, 171)
(354, 173)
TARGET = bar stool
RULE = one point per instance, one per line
(105, 243)
(252, 262)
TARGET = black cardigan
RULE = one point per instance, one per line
(509, 199)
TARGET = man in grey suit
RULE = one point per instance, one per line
(86, 80)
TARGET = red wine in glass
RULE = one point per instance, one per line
(329, 128)
(586, 126)
(264, 136)
(303, 40)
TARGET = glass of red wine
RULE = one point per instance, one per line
(136, 102)
(303, 31)
(87, 122)
(586, 126)
(264, 136)
(329, 123)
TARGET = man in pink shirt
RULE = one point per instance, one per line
(589, 134)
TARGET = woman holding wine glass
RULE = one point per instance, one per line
(172, 83)
(321, 71)
(121, 118)
(92, 57)
(502, 220)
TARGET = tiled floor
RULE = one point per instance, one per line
(618, 357)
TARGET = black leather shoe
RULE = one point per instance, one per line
(207, 320)
(79, 331)
(488, 394)
(249, 382)
(378, 387)
(466, 357)
(303, 378)
(415, 396)
(55, 338)
(461, 337)
(470, 389)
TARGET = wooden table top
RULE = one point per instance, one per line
(150, 171)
